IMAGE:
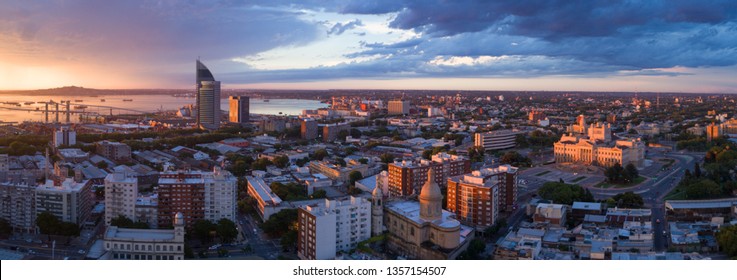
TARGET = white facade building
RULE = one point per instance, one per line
(145, 244)
(121, 191)
(332, 226)
(221, 191)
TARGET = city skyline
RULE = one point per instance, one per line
(660, 46)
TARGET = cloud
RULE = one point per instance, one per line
(286, 41)
(339, 27)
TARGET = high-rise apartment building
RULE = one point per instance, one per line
(197, 195)
(70, 200)
(208, 98)
(121, 191)
(713, 131)
(478, 197)
(113, 150)
(398, 107)
(330, 132)
(64, 137)
(406, 177)
(308, 129)
(18, 203)
(239, 109)
(332, 226)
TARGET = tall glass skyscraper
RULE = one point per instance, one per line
(208, 98)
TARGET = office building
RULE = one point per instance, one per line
(398, 107)
(121, 191)
(478, 197)
(208, 98)
(330, 132)
(423, 230)
(146, 244)
(406, 177)
(239, 109)
(65, 137)
(496, 140)
(308, 129)
(536, 115)
(713, 131)
(332, 226)
(69, 200)
(197, 195)
(115, 151)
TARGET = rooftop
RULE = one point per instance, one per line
(411, 210)
(116, 233)
(700, 204)
(264, 192)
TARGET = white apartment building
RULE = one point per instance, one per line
(70, 200)
(221, 191)
(18, 204)
(332, 226)
(121, 191)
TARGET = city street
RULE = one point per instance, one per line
(260, 244)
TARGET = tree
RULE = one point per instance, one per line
(354, 176)
(204, 229)
(363, 160)
(476, 154)
(123, 222)
(342, 135)
(289, 240)
(278, 224)
(629, 200)
(281, 161)
(387, 158)
(47, 222)
(696, 169)
(227, 230)
(476, 247)
(703, 189)
(319, 194)
(320, 154)
(563, 193)
(102, 164)
(260, 164)
(632, 171)
(51, 225)
(5, 228)
(727, 239)
(515, 159)
(355, 133)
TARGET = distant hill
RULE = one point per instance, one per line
(82, 91)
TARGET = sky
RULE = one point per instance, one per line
(555, 45)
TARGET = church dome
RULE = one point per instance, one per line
(430, 190)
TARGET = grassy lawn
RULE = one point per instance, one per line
(542, 173)
(606, 185)
(676, 194)
(578, 179)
